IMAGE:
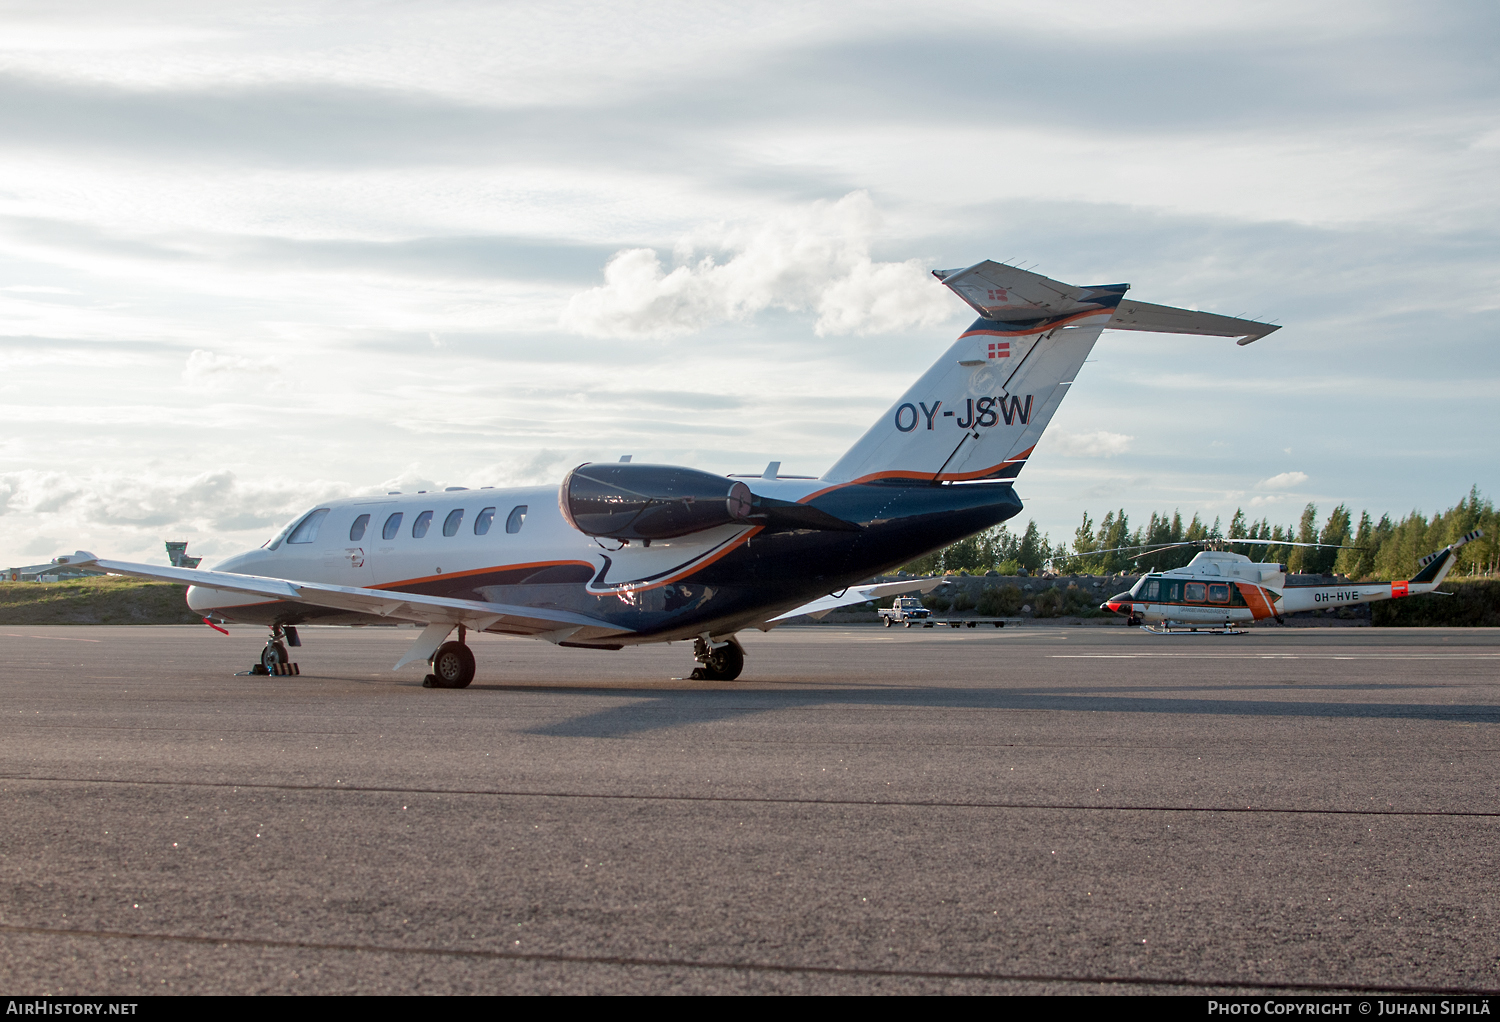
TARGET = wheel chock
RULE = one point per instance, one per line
(282, 670)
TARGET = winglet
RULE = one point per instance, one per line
(78, 559)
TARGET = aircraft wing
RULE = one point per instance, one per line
(859, 594)
(545, 623)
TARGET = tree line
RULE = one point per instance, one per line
(1382, 549)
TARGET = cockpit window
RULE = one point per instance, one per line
(392, 526)
(420, 526)
(1152, 590)
(453, 521)
(357, 530)
(482, 521)
(307, 530)
(517, 519)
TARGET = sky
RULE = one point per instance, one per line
(254, 256)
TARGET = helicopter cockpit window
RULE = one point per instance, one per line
(1218, 593)
(1196, 592)
(1152, 590)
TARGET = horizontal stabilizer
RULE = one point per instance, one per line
(1007, 294)
(1163, 319)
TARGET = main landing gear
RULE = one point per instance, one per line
(452, 664)
(274, 659)
(717, 661)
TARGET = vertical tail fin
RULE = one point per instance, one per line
(1435, 566)
(981, 408)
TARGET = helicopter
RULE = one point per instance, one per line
(1218, 588)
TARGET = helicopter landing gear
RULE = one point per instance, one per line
(1132, 621)
(274, 659)
(452, 665)
(720, 661)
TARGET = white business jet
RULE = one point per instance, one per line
(625, 553)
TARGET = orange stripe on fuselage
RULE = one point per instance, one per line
(1257, 600)
(875, 477)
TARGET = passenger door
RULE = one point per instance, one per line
(352, 549)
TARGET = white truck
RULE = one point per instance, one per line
(904, 610)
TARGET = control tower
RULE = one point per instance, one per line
(177, 554)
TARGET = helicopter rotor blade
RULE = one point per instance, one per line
(1157, 547)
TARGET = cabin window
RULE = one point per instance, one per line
(1153, 590)
(420, 526)
(1173, 591)
(1196, 592)
(357, 530)
(517, 519)
(453, 521)
(1218, 593)
(482, 521)
(307, 530)
(392, 526)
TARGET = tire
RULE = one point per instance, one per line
(887, 621)
(452, 666)
(273, 654)
(908, 624)
(724, 663)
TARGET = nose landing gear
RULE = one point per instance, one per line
(722, 661)
(274, 659)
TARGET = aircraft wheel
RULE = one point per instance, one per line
(273, 654)
(452, 666)
(724, 663)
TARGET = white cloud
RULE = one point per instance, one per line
(813, 259)
(210, 370)
(1099, 444)
(1284, 481)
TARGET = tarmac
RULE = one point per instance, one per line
(1028, 810)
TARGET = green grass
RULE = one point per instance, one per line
(108, 600)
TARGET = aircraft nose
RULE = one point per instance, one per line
(1117, 604)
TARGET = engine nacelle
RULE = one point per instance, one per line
(629, 501)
